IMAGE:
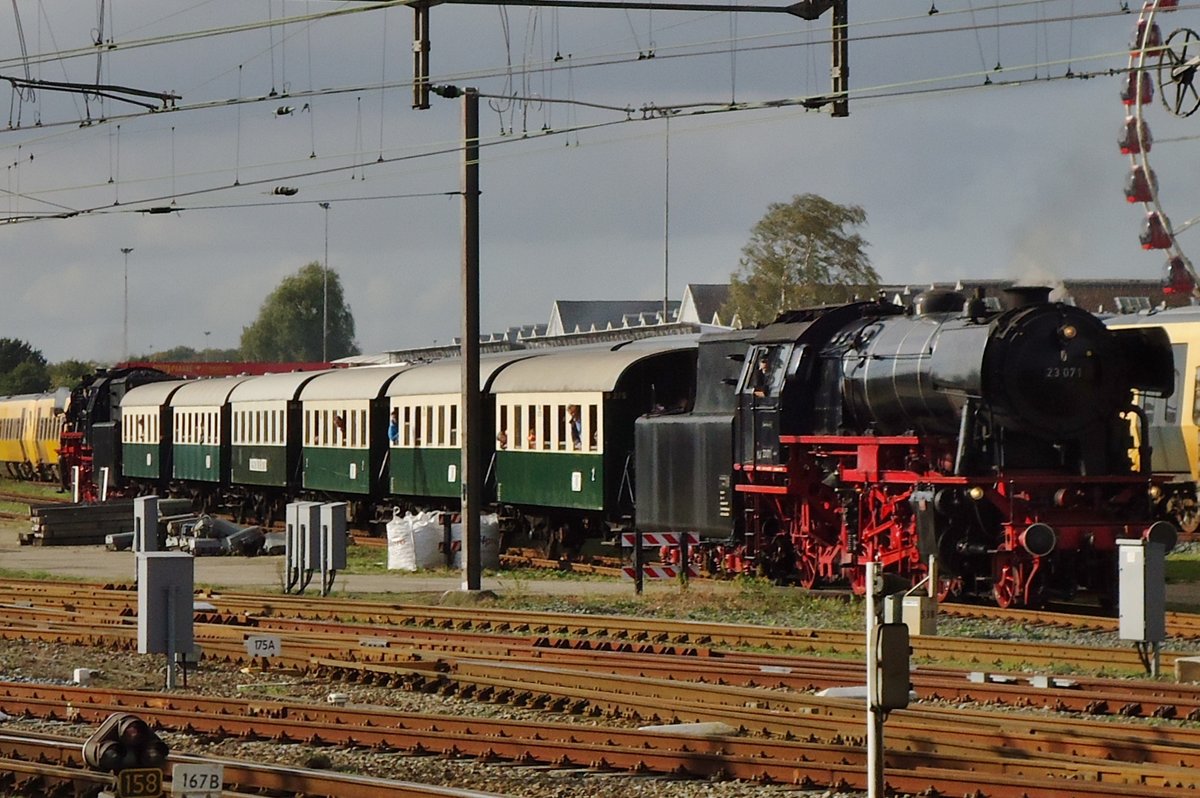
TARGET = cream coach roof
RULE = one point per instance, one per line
(273, 386)
(577, 371)
(206, 393)
(446, 376)
(152, 394)
(363, 382)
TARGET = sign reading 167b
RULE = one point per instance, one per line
(197, 781)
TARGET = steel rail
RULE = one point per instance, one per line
(786, 761)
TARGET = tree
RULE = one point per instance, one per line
(186, 354)
(22, 368)
(69, 373)
(289, 323)
(803, 253)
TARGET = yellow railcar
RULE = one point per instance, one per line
(30, 425)
(47, 429)
(1174, 422)
(16, 412)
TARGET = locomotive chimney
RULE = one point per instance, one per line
(1020, 296)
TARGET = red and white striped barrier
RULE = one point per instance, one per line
(659, 571)
(652, 540)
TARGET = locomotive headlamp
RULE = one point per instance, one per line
(975, 492)
(1155, 491)
(1068, 331)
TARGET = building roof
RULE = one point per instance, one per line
(587, 315)
(702, 302)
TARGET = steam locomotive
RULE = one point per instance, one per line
(1005, 442)
(1001, 442)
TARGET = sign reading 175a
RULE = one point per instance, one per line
(197, 781)
(265, 646)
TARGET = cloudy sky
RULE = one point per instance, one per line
(963, 169)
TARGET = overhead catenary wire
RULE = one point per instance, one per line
(895, 90)
(646, 113)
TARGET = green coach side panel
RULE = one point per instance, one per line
(197, 461)
(260, 464)
(425, 472)
(141, 460)
(551, 479)
(337, 469)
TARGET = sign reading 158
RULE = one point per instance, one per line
(197, 781)
(140, 783)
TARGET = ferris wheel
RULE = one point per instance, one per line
(1171, 62)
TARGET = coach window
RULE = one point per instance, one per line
(453, 425)
(1195, 399)
(592, 429)
(516, 436)
(546, 427)
(418, 424)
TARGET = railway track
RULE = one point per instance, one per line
(324, 620)
(39, 764)
(621, 673)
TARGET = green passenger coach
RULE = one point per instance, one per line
(344, 429)
(263, 412)
(564, 424)
(146, 433)
(200, 430)
(425, 458)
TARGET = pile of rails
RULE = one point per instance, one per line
(86, 524)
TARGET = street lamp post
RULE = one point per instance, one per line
(325, 291)
(125, 329)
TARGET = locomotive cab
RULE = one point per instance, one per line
(760, 395)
